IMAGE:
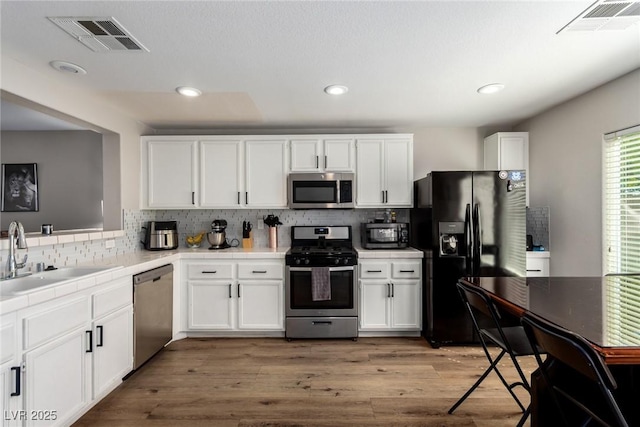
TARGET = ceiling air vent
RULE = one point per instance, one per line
(99, 34)
(604, 15)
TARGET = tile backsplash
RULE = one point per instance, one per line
(538, 225)
(190, 222)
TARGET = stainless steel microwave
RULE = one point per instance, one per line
(321, 190)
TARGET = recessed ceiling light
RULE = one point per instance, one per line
(491, 88)
(67, 67)
(336, 89)
(188, 91)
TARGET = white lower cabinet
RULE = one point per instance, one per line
(71, 351)
(113, 350)
(233, 296)
(57, 360)
(260, 304)
(112, 338)
(538, 264)
(211, 304)
(390, 295)
(56, 376)
(10, 371)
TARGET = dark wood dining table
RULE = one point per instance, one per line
(603, 310)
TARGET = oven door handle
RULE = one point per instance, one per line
(349, 268)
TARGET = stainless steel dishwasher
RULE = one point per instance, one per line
(152, 312)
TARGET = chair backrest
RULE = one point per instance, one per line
(569, 348)
(477, 298)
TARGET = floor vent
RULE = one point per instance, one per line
(99, 34)
(606, 15)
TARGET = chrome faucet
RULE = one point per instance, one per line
(16, 241)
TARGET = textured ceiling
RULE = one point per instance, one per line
(264, 65)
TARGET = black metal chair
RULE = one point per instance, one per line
(511, 340)
(570, 349)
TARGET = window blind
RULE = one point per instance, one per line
(622, 203)
(622, 235)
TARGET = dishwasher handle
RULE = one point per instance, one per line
(152, 275)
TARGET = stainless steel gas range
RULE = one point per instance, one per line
(321, 283)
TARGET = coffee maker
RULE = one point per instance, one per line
(160, 235)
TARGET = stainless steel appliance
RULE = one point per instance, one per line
(217, 237)
(321, 283)
(152, 312)
(384, 236)
(321, 190)
(160, 235)
(467, 224)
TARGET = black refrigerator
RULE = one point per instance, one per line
(467, 223)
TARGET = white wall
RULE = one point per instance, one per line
(565, 160)
(55, 93)
(69, 185)
(446, 149)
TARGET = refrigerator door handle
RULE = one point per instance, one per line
(477, 239)
(468, 241)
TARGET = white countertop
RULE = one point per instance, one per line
(538, 254)
(130, 264)
(388, 253)
(139, 261)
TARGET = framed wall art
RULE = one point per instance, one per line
(19, 187)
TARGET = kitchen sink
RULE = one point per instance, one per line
(44, 279)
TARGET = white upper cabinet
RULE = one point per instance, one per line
(214, 172)
(384, 175)
(508, 151)
(171, 172)
(266, 173)
(250, 171)
(221, 183)
(322, 154)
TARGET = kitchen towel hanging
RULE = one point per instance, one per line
(320, 284)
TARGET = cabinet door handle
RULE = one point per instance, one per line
(388, 290)
(193, 197)
(374, 271)
(238, 290)
(100, 337)
(238, 197)
(407, 271)
(16, 369)
(386, 196)
(259, 271)
(90, 333)
(317, 162)
(533, 270)
(230, 296)
(321, 322)
(382, 196)
(325, 162)
(246, 197)
(393, 290)
(209, 271)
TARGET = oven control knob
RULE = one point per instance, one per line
(345, 261)
(336, 261)
(297, 261)
(306, 260)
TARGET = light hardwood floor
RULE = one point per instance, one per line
(270, 382)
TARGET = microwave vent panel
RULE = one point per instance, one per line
(100, 34)
(606, 15)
